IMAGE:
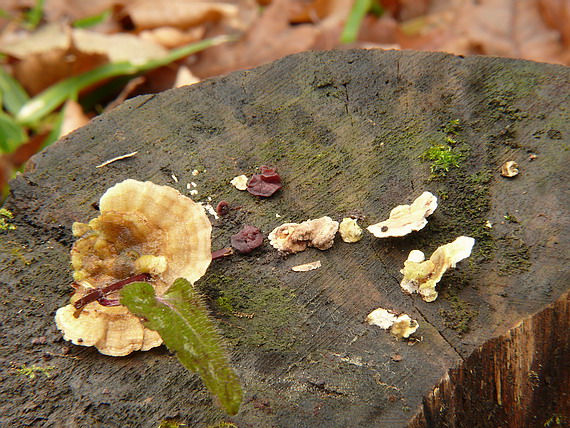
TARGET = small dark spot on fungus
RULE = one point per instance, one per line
(384, 228)
(266, 183)
(248, 239)
(223, 208)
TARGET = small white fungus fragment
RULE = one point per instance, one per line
(195, 172)
(349, 230)
(193, 184)
(307, 266)
(400, 325)
(405, 219)
(240, 182)
(187, 186)
(193, 192)
(209, 209)
(174, 178)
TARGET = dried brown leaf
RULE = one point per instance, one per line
(178, 13)
(56, 52)
(73, 117)
(515, 29)
(118, 47)
(270, 37)
(184, 77)
(556, 14)
(58, 10)
(171, 37)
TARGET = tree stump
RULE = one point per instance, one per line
(347, 131)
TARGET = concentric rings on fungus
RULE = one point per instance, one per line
(143, 228)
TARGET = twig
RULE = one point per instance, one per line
(116, 159)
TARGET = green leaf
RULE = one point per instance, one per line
(359, 10)
(50, 99)
(12, 135)
(182, 320)
(13, 95)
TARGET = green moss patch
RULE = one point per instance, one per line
(263, 314)
(513, 255)
(460, 315)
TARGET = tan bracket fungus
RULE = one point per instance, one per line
(143, 228)
(421, 275)
(295, 237)
(405, 219)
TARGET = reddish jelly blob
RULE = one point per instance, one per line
(248, 239)
(264, 184)
(223, 208)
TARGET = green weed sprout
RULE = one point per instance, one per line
(442, 157)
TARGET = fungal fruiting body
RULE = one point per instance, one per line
(399, 325)
(405, 219)
(295, 237)
(145, 231)
(247, 239)
(239, 182)
(266, 183)
(509, 169)
(349, 230)
(421, 276)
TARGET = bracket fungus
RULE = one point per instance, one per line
(399, 325)
(295, 237)
(145, 231)
(421, 275)
(405, 219)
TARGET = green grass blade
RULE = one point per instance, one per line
(34, 15)
(12, 135)
(91, 21)
(182, 320)
(13, 94)
(50, 99)
(359, 10)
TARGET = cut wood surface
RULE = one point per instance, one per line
(346, 130)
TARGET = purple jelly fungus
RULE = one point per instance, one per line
(266, 183)
(248, 239)
(223, 208)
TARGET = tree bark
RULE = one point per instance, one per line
(347, 131)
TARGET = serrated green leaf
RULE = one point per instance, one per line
(182, 320)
